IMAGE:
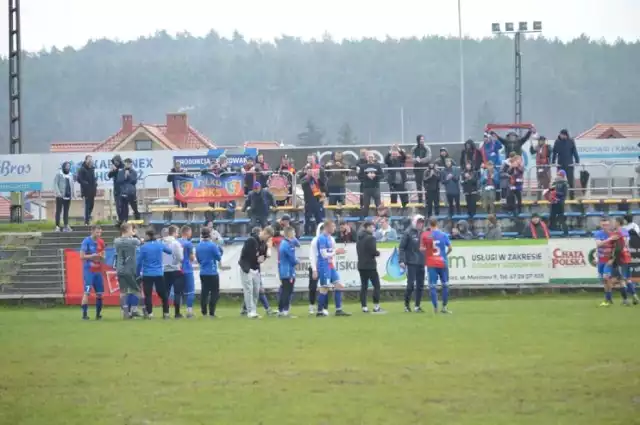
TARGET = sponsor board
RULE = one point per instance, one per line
(21, 173)
(572, 261)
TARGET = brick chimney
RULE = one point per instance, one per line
(127, 124)
(177, 124)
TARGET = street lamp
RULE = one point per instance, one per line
(523, 28)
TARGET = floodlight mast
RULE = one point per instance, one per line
(523, 28)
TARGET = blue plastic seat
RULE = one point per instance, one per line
(572, 214)
(510, 234)
(617, 213)
(480, 216)
(501, 216)
(525, 215)
(556, 233)
(594, 214)
(397, 218)
(241, 239)
(577, 233)
(157, 222)
(222, 221)
(460, 217)
(241, 221)
(351, 219)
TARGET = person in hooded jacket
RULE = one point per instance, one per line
(396, 175)
(470, 153)
(450, 178)
(464, 230)
(537, 229)
(412, 260)
(432, 189)
(368, 266)
(469, 179)
(565, 154)
(116, 165)
(441, 162)
(63, 189)
(127, 180)
(260, 202)
(88, 187)
(420, 154)
(513, 143)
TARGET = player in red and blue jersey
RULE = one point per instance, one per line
(436, 247)
(92, 254)
(622, 260)
(603, 253)
(327, 274)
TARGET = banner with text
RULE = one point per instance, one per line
(209, 188)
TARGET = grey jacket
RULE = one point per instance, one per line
(59, 183)
(126, 254)
(493, 232)
(409, 248)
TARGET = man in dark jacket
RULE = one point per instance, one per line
(252, 255)
(260, 201)
(370, 175)
(176, 171)
(471, 154)
(116, 165)
(368, 266)
(361, 162)
(336, 180)
(412, 260)
(513, 143)
(432, 189)
(396, 175)
(127, 180)
(537, 229)
(564, 154)
(420, 156)
(88, 187)
(442, 159)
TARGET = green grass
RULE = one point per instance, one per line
(530, 360)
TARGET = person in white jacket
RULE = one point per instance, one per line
(173, 278)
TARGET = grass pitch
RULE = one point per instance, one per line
(530, 360)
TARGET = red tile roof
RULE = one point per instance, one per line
(62, 147)
(182, 137)
(262, 144)
(612, 131)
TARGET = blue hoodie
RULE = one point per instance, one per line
(287, 260)
(149, 261)
(491, 152)
(208, 254)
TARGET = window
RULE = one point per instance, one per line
(144, 145)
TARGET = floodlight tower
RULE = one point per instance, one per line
(15, 99)
(523, 28)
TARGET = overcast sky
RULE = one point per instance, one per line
(48, 23)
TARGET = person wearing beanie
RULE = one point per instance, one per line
(259, 203)
(63, 188)
(565, 155)
(420, 155)
(412, 260)
(537, 229)
(116, 165)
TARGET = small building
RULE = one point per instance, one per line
(612, 131)
(174, 134)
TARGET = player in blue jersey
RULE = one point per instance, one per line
(327, 274)
(189, 256)
(436, 247)
(92, 254)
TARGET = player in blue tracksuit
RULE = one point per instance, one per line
(149, 266)
(287, 262)
(92, 254)
(208, 254)
(327, 274)
(187, 268)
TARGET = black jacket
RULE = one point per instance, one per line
(368, 183)
(432, 179)
(409, 248)
(87, 179)
(470, 153)
(367, 251)
(420, 151)
(469, 185)
(398, 162)
(307, 191)
(515, 145)
(249, 254)
(117, 161)
(565, 152)
(260, 203)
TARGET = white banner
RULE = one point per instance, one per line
(21, 173)
(573, 261)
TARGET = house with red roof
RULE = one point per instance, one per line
(174, 134)
(612, 131)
